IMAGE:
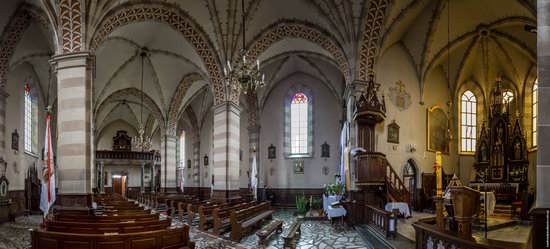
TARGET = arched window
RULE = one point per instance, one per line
(299, 124)
(468, 122)
(535, 111)
(29, 131)
(507, 96)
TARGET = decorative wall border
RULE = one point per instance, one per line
(177, 100)
(371, 35)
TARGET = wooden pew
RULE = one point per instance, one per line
(268, 230)
(193, 210)
(172, 238)
(205, 214)
(107, 227)
(220, 216)
(125, 212)
(180, 208)
(288, 236)
(119, 218)
(173, 204)
(246, 218)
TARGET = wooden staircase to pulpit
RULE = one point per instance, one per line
(376, 179)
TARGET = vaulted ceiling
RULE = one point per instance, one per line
(322, 38)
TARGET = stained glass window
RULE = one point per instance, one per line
(468, 113)
(299, 124)
(535, 111)
(28, 120)
(182, 149)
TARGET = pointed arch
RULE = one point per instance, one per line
(177, 100)
(177, 19)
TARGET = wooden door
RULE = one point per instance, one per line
(117, 185)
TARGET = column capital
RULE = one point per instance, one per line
(227, 106)
(76, 59)
(254, 128)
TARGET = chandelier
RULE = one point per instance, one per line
(244, 74)
(141, 142)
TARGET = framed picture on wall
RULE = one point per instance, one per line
(15, 140)
(437, 126)
(299, 167)
(393, 133)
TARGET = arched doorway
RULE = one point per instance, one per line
(409, 179)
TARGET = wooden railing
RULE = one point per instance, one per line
(427, 236)
(395, 185)
(127, 155)
(379, 219)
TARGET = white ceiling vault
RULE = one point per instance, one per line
(336, 41)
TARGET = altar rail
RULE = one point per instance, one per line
(378, 219)
(127, 155)
(495, 186)
(427, 236)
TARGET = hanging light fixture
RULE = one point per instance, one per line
(244, 74)
(141, 142)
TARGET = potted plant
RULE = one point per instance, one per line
(316, 203)
(301, 205)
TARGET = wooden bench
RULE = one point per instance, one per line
(173, 204)
(220, 216)
(108, 227)
(205, 214)
(172, 238)
(17, 208)
(244, 219)
(119, 218)
(288, 236)
(268, 230)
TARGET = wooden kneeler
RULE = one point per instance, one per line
(268, 230)
(288, 236)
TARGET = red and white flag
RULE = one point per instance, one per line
(47, 195)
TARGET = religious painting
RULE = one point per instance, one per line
(205, 160)
(271, 152)
(325, 150)
(399, 96)
(15, 140)
(4, 186)
(299, 167)
(393, 133)
(188, 163)
(437, 130)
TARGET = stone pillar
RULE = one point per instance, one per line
(226, 152)
(541, 213)
(102, 175)
(153, 178)
(75, 157)
(3, 96)
(254, 144)
(142, 186)
(169, 165)
(196, 163)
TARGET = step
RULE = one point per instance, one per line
(373, 238)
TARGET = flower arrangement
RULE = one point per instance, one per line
(335, 188)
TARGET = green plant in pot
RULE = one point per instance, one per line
(301, 204)
(316, 203)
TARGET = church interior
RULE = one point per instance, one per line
(274, 124)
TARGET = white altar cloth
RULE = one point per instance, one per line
(491, 201)
(402, 206)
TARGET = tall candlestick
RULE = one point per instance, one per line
(439, 173)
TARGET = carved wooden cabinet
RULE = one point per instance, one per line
(370, 168)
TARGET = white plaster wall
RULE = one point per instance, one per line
(18, 163)
(326, 127)
(396, 65)
(206, 149)
(105, 139)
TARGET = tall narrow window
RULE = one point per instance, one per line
(468, 121)
(535, 111)
(299, 124)
(182, 149)
(28, 120)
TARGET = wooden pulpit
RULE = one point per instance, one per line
(466, 203)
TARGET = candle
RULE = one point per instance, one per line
(439, 173)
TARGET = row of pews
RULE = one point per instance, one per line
(118, 223)
(219, 218)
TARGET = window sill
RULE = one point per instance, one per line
(533, 149)
(31, 154)
(466, 153)
(296, 156)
